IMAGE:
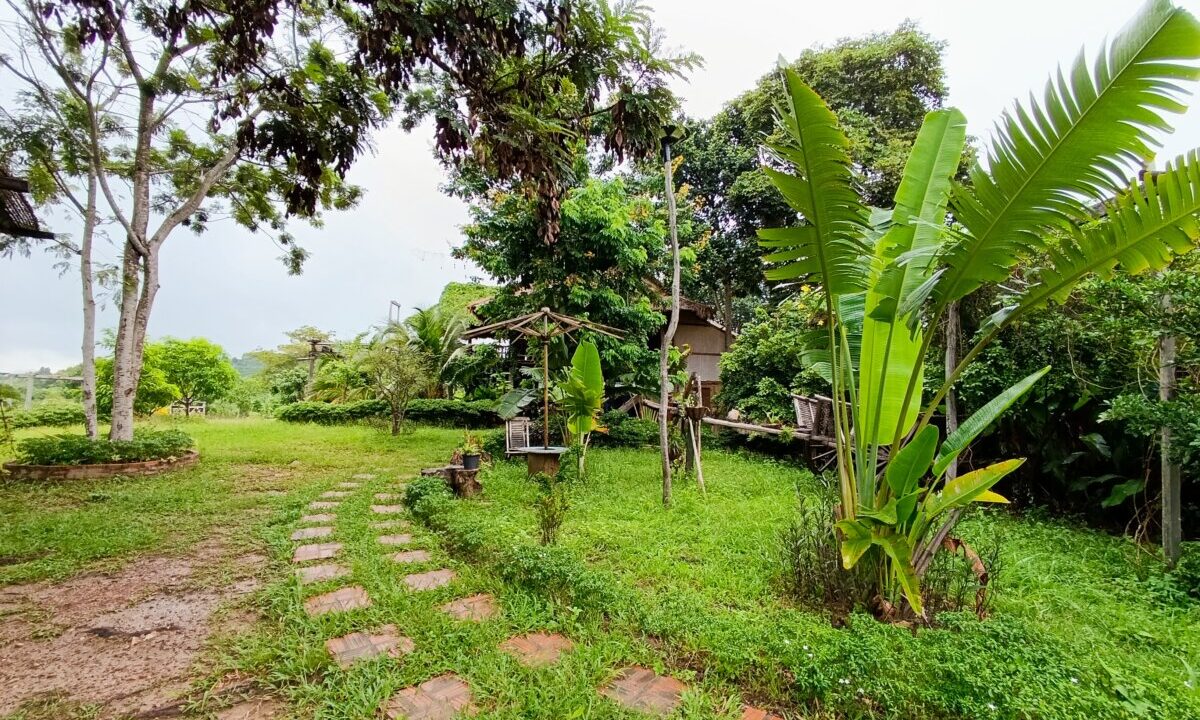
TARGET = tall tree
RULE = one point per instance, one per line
(879, 86)
(248, 102)
(199, 368)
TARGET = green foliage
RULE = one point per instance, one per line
(47, 416)
(424, 495)
(609, 243)
(81, 450)
(449, 413)
(154, 390)
(767, 363)
(398, 371)
(556, 573)
(200, 369)
(1048, 167)
(550, 506)
(624, 430)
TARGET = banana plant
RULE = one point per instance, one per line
(1026, 222)
(581, 396)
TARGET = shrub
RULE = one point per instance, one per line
(47, 416)
(813, 561)
(457, 413)
(551, 506)
(625, 431)
(81, 450)
(556, 573)
(1187, 573)
(424, 495)
(494, 444)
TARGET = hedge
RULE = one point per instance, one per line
(47, 416)
(82, 450)
(454, 413)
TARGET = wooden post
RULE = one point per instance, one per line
(668, 336)
(545, 393)
(1172, 523)
(28, 392)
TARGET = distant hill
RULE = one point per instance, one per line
(247, 365)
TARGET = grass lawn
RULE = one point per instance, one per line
(1080, 629)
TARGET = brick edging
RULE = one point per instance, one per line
(20, 471)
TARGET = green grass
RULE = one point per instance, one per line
(1081, 629)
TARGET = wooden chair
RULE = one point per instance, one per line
(516, 436)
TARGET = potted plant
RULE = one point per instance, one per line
(471, 450)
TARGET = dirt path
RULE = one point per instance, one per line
(125, 641)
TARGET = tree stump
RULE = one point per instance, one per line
(462, 482)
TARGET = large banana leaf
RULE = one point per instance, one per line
(1049, 162)
(583, 392)
(962, 436)
(1143, 228)
(971, 487)
(828, 249)
(891, 355)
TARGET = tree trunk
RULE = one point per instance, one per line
(924, 558)
(396, 419)
(1172, 521)
(124, 378)
(668, 337)
(727, 312)
(88, 343)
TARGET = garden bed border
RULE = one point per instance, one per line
(20, 471)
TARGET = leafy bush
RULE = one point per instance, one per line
(494, 444)
(1187, 573)
(625, 430)
(551, 506)
(81, 450)
(558, 574)
(422, 496)
(457, 413)
(47, 416)
(813, 561)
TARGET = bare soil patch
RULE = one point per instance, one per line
(125, 641)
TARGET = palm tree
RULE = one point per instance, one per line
(1024, 223)
(436, 333)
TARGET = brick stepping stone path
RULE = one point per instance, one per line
(349, 649)
(429, 580)
(411, 556)
(389, 525)
(316, 551)
(336, 494)
(348, 485)
(538, 649)
(363, 476)
(753, 713)
(385, 497)
(321, 573)
(387, 509)
(341, 600)
(395, 539)
(319, 518)
(309, 533)
(476, 608)
(322, 505)
(639, 689)
(441, 698)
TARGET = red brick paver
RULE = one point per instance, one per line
(429, 580)
(410, 556)
(349, 649)
(537, 649)
(441, 698)
(321, 573)
(323, 505)
(334, 494)
(404, 539)
(309, 533)
(387, 509)
(341, 600)
(475, 608)
(638, 688)
(753, 713)
(319, 518)
(316, 551)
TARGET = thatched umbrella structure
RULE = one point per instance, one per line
(544, 325)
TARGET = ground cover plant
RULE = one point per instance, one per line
(82, 450)
(1080, 628)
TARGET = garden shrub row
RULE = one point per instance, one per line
(81, 450)
(47, 416)
(454, 413)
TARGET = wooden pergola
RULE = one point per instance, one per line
(544, 325)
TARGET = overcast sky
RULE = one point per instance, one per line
(227, 284)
